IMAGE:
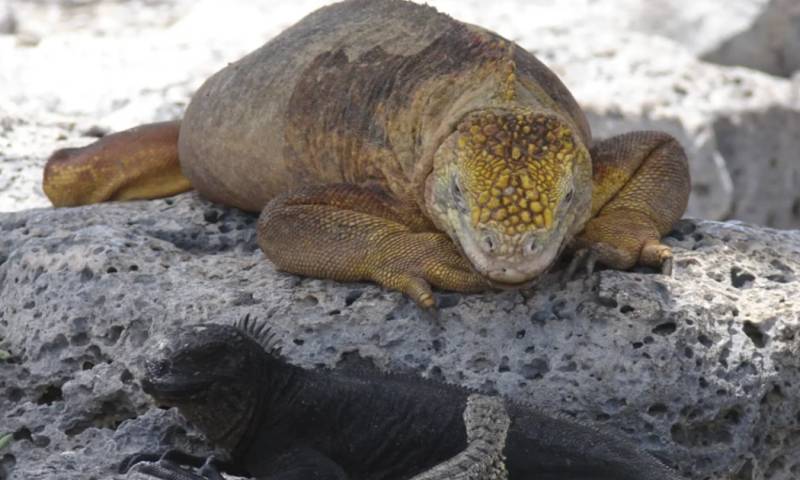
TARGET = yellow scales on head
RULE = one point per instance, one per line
(515, 168)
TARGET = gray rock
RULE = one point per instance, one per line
(701, 369)
(764, 166)
(771, 44)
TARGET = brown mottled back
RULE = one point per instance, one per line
(360, 90)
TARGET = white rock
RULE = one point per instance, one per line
(697, 25)
(8, 19)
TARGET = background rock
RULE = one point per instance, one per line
(771, 44)
(8, 21)
(767, 189)
(698, 26)
(78, 67)
(701, 369)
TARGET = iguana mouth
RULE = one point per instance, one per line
(171, 391)
(164, 383)
(514, 272)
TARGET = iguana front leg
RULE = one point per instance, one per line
(295, 464)
(172, 465)
(640, 189)
(353, 233)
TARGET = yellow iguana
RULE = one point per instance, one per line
(384, 141)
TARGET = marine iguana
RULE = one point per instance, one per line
(279, 421)
(384, 141)
(485, 419)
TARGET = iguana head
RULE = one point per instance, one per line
(214, 375)
(511, 187)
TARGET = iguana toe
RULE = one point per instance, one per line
(210, 470)
(416, 288)
(164, 470)
(423, 261)
(128, 462)
(586, 257)
(657, 255)
(172, 465)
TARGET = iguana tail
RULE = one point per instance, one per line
(139, 163)
(545, 447)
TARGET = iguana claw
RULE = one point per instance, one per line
(657, 255)
(584, 256)
(666, 267)
(653, 254)
(172, 465)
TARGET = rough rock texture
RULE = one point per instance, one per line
(701, 368)
(76, 69)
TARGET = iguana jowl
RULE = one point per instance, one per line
(279, 421)
(384, 141)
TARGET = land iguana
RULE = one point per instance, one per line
(384, 141)
(279, 421)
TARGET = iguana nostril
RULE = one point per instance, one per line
(488, 244)
(530, 245)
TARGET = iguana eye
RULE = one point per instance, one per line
(458, 195)
(568, 196)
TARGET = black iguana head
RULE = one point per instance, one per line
(213, 374)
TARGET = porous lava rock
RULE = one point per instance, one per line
(701, 368)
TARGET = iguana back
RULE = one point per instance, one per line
(355, 91)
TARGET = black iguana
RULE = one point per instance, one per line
(279, 421)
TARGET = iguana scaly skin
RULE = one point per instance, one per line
(487, 422)
(384, 141)
(278, 421)
(485, 419)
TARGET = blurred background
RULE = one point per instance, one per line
(721, 75)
